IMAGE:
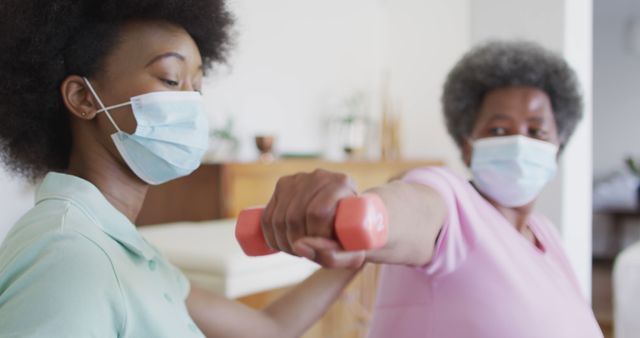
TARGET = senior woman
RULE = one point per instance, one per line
(467, 259)
(101, 98)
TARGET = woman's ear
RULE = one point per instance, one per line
(77, 98)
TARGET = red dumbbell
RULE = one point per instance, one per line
(361, 224)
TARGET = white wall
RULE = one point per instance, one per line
(295, 60)
(616, 72)
(426, 39)
(539, 21)
(566, 27)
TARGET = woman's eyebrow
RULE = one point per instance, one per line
(166, 55)
(499, 117)
(537, 119)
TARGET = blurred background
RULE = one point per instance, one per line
(338, 81)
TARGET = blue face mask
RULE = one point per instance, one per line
(512, 170)
(170, 138)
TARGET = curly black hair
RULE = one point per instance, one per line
(499, 64)
(44, 41)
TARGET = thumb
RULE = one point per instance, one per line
(328, 253)
(309, 247)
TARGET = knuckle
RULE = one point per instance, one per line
(281, 183)
(319, 214)
(297, 177)
(277, 223)
(280, 227)
(343, 179)
(319, 173)
(284, 181)
(294, 222)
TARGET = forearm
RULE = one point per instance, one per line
(297, 310)
(416, 214)
(289, 316)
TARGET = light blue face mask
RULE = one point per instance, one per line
(512, 170)
(170, 138)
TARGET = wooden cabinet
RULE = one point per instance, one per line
(217, 191)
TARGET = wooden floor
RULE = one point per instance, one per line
(602, 295)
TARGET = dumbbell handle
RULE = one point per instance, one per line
(361, 224)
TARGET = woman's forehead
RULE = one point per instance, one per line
(139, 42)
(515, 101)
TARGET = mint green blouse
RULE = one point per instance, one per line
(74, 266)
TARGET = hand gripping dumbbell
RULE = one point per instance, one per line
(360, 224)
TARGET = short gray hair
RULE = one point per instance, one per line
(500, 64)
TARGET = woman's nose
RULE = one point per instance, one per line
(187, 87)
(523, 130)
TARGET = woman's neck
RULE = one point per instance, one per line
(124, 190)
(518, 216)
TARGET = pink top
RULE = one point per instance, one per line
(485, 279)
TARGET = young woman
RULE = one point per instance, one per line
(101, 98)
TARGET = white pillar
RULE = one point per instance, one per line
(577, 164)
(564, 26)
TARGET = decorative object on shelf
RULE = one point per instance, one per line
(264, 143)
(223, 144)
(390, 126)
(633, 166)
(309, 155)
(355, 131)
(618, 191)
(355, 126)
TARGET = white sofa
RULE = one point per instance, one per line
(208, 254)
(626, 293)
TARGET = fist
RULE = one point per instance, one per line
(300, 217)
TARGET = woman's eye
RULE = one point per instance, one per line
(498, 131)
(171, 83)
(537, 133)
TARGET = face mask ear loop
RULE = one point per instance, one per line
(101, 104)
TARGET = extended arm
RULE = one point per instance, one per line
(304, 206)
(289, 316)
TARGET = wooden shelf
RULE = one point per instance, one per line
(216, 191)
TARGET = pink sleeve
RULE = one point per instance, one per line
(456, 236)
